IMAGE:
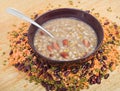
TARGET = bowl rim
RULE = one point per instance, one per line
(67, 61)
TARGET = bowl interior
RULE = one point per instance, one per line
(65, 12)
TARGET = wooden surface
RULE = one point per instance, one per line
(10, 78)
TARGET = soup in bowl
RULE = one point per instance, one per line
(77, 36)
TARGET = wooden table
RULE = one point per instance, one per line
(10, 78)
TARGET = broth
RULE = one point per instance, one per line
(74, 39)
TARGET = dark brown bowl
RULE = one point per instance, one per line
(67, 12)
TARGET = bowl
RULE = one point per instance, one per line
(67, 12)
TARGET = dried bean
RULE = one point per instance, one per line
(105, 66)
(57, 70)
(31, 51)
(62, 89)
(41, 65)
(101, 60)
(74, 70)
(48, 66)
(25, 70)
(86, 66)
(100, 75)
(49, 76)
(46, 85)
(40, 73)
(66, 73)
(58, 82)
(50, 87)
(18, 42)
(104, 57)
(28, 67)
(11, 52)
(113, 38)
(45, 76)
(91, 82)
(64, 69)
(83, 74)
(100, 51)
(57, 76)
(106, 76)
(34, 62)
(92, 60)
(97, 56)
(45, 69)
(103, 69)
(92, 79)
(98, 80)
(111, 64)
(86, 72)
(43, 83)
(16, 65)
(21, 66)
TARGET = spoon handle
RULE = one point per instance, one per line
(24, 17)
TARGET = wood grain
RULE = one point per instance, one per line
(10, 78)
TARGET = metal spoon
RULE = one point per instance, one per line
(20, 15)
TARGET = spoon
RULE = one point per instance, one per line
(20, 15)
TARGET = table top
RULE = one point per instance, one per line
(10, 78)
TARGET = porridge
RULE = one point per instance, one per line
(74, 39)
